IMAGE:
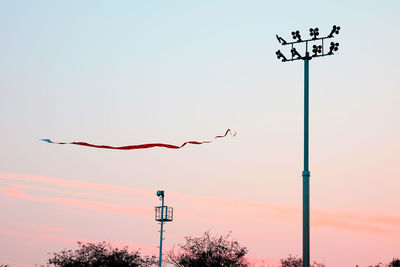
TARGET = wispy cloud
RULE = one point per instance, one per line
(73, 183)
(41, 186)
(77, 202)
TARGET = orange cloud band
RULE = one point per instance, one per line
(78, 202)
(372, 223)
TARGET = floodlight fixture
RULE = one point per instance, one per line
(335, 30)
(295, 53)
(314, 32)
(280, 55)
(296, 35)
(281, 40)
(318, 51)
(333, 47)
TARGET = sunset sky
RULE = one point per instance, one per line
(133, 72)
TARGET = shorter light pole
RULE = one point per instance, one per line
(162, 214)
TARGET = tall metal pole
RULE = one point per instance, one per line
(306, 172)
(318, 51)
(161, 232)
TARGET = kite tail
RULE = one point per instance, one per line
(142, 146)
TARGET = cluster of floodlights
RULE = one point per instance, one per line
(317, 50)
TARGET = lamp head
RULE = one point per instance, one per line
(295, 53)
(296, 35)
(335, 30)
(333, 47)
(314, 32)
(317, 49)
(279, 55)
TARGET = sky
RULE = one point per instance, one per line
(133, 72)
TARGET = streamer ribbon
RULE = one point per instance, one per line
(142, 146)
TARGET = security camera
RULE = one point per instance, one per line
(160, 193)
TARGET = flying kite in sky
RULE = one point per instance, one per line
(142, 146)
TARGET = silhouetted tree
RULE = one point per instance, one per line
(100, 255)
(395, 263)
(296, 261)
(292, 261)
(207, 251)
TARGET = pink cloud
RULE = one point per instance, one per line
(353, 221)
(356, 221)
(46, 228)
(62, 190)
(78, 202)
(73, 183)
(346, 225)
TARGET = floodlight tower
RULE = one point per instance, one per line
(162, 214)
(318, 51)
